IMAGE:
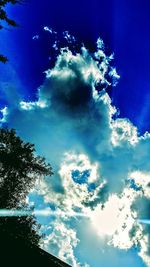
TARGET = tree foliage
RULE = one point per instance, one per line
(19, 169)
(5, 19)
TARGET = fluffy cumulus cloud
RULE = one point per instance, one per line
(101, 164)
(62, 241)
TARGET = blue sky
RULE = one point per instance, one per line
(124, 27)
(94, 148)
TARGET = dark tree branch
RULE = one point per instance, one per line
(5, 18)
(19, 169)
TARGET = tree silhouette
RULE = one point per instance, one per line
(19, 169)
(5, 19)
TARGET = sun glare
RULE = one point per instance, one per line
(112, 218)
(105, 220)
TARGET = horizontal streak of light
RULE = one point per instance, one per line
(49, 212)
(44, 212)
(144, 221)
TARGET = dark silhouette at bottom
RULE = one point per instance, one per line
(17, 252)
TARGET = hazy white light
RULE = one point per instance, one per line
(106, 220)
(114, 218)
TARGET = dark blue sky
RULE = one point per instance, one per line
(123, 25)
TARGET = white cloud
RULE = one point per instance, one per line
(4, 112)
(142, 180)
(72, 124)
(100, 43)
(70, 38)
(48, 29)
(75, 193)
(123, 132)
(62, 242)
(32, 105)
(117, 221)
(114, 210)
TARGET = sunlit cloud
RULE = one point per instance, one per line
(101, 163)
